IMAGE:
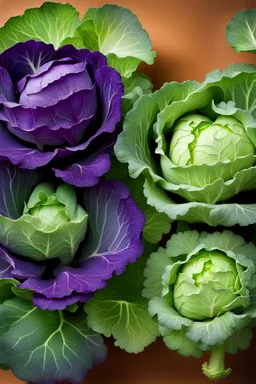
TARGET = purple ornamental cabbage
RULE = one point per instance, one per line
(59, 107)
(40, 248)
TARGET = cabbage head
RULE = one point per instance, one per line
(202, 291)
(195, 145)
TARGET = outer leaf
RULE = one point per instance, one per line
(155, 268)
(210, 334)
(239, 340)
(219, 214)
(120, 35)
(177, 341)
(157, 223)
(134, 87)
(46, 347)
(23, 237)
(51, 23)
(241, 31)
(120, 310)
(167, 316)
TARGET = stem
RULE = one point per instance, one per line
(216, 369)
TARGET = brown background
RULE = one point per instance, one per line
(189, 37)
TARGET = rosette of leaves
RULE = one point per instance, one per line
(64, 245)
(202, 288)
(61, 93)
(58, 246)
(194, 144)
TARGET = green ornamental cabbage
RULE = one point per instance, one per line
(202, 290)
(52, 225)
(195, 146)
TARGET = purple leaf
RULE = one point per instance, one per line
(42, 302)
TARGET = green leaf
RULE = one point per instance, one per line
(212, 333)
(240, 340)
(241, 31)
(124, 65)
(177, 341)
(182, 243)
(120, 310)
(213, 215)
(6, 289)
(77, 42)
(24, 237)
(43, 346)
(167, 316)
(134, 87)
(87, 33)
(120, 37)
(155, 268)
(157, 223)
(51, 23)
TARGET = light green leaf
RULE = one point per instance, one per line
(124, 65)
(120, 310)
(155, 268)
(51, 23)
(87, 33)
(182, 243)
(167, 316)
(240, 340)
(119, 36)
(22, 236)
(213, 215)
(77, 42)
(43, 346)
(132, 144)
(177, 341)
(209, 334)
(241, 31)
(134, 87)
(157, 223)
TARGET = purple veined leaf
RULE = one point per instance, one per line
(111, 104)
(11, 267)
(13, 190)
(57, 84)
(24, 157)
(87, 172)
(6, 264)
(80, 123)
(95, 60)
(55, 304)
(114, 240)
(7, 90)
(90, 276)
(115, 225)
(26, 58)
(60, 115)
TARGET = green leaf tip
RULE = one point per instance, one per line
(50, 23)
(241, 31)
